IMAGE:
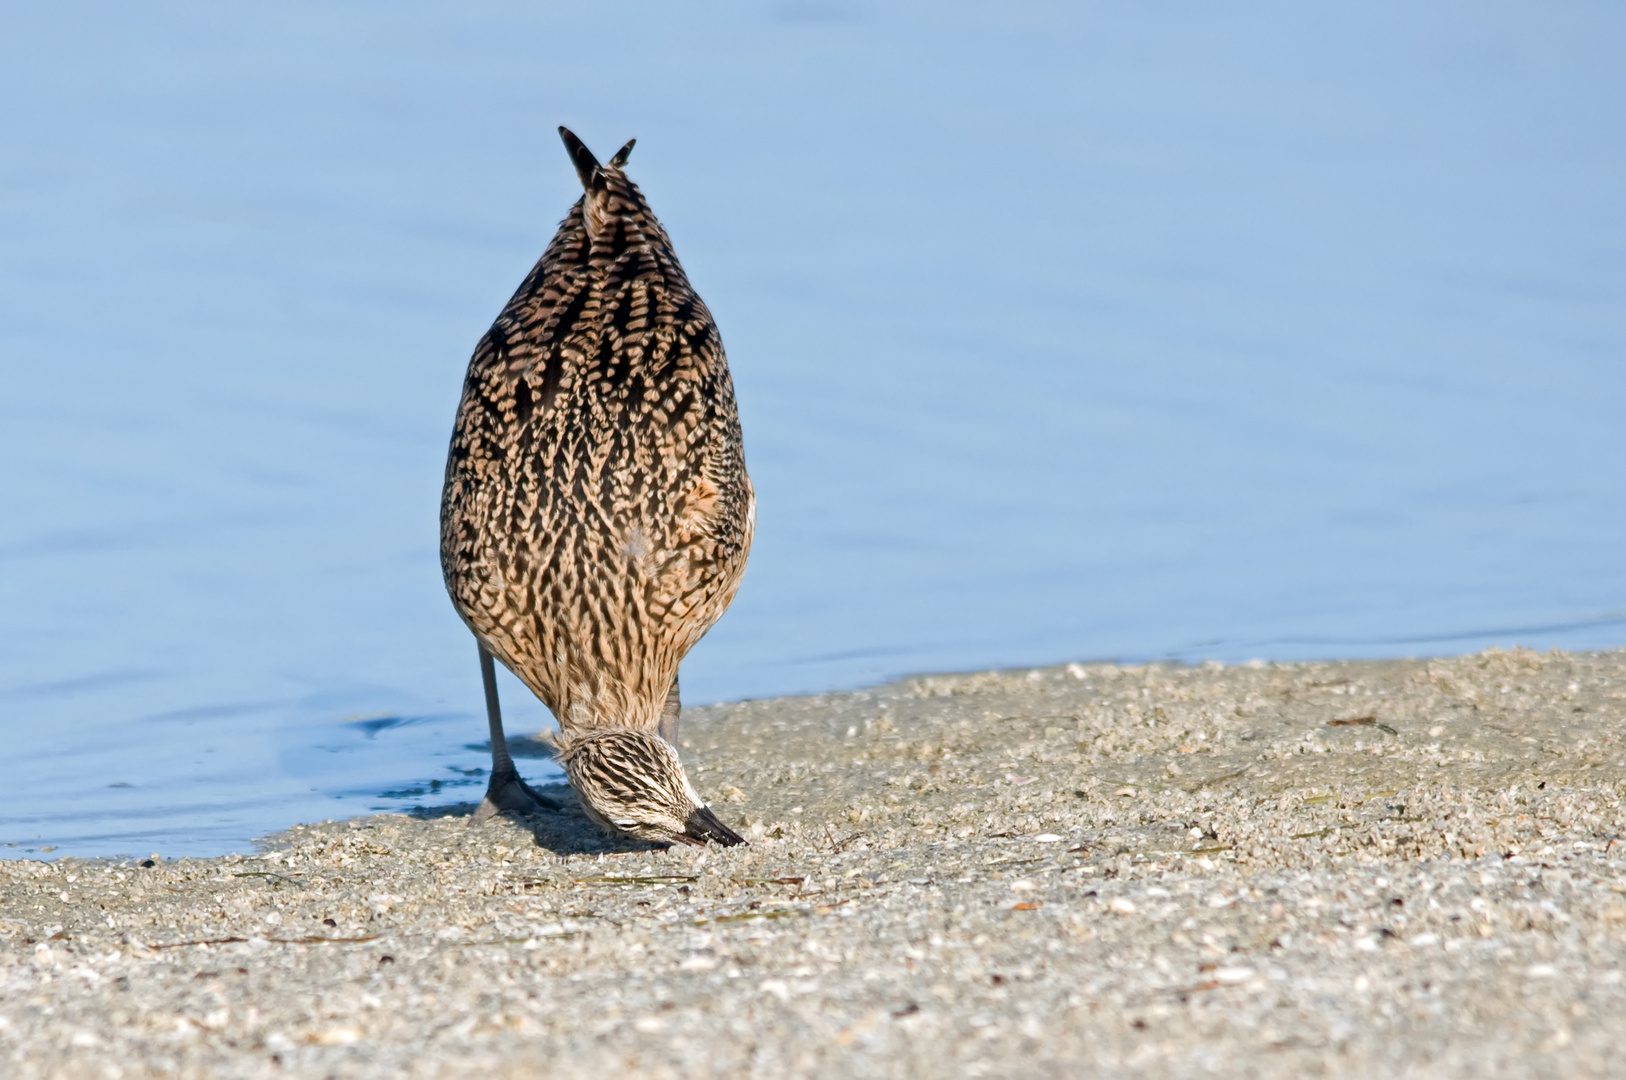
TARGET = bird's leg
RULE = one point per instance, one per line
(669, 714)
(506, 793)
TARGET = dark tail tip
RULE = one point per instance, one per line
(587, 165)
(703, 825)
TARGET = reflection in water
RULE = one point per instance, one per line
(1072, 332)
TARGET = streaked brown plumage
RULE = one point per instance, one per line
(597, 514)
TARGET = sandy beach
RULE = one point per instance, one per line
(1343, 869)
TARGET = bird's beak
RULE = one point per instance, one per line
(703, 825)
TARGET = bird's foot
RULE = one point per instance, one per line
(508, 794)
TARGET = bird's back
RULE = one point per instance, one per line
(597, 514)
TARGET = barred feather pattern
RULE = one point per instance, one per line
(630, 782)
(597, 515)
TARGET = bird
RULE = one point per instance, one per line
(597, 515)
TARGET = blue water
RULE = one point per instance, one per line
(1061, 331)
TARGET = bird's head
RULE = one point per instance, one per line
(632, 782)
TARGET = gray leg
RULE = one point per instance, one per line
(506, 793)
(670, 712)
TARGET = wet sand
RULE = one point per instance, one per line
(1351, 869)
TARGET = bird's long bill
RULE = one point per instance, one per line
(703, 825)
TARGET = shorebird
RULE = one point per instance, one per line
(597, 514)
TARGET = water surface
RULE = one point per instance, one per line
(1060, 331)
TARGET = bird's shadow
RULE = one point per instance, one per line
(565, 831)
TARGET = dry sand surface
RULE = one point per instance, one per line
(1363, 869)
